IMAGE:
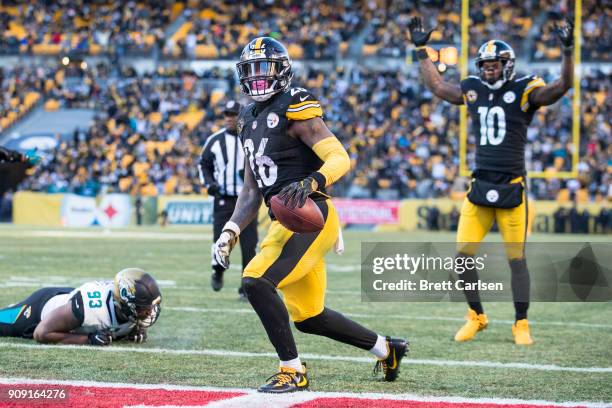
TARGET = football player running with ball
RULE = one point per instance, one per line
(291, 152)
(501, 108)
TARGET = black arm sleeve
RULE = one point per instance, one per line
(77, 307)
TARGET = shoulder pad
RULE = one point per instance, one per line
(469, 81)
(302, 105)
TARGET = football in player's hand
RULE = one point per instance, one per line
(299, 219)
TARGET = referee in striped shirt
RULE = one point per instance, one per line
(222, 173)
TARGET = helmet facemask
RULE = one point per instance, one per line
(264, 77)
(137, 297)
(507, 72)
(264, 68)
(496, 50)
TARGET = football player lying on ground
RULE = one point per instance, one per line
(95, 313)
(292, 154)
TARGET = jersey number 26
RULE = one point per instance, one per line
(264, 168)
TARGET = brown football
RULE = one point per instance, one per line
(301, 220)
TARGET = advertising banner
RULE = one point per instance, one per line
(367, 211)
(41, 209)
(113, 210)
(186, 210)
(78, 211)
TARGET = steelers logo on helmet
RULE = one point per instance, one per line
(264, 68)
(496, 50)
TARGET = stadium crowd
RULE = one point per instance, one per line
(402, 141)
(51, 27)
(313, 29)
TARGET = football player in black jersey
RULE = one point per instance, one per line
(501, 108)
(291, 152)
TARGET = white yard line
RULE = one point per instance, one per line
(253, 399)
(308, 356)
(402, 317)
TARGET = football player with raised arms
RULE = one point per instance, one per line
(501, 108)
(291, 153)
(95, 313)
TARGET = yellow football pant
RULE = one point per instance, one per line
(476, 221)
(295, 263)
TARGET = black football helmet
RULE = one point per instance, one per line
(137, 297)
(494, 50)
(264, 68)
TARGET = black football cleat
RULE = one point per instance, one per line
(216, 281)
(398, 348)
(286, 380)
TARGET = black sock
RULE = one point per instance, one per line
(471, 276)
(520, 287)
(336, 326)
(273, 315)
(218, 269)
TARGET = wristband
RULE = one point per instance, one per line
(232, 226)
(568, 51)
(320, 179)
(421, 53)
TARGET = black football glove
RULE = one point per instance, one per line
(100, 338)
(417, 33)
(213, 189)
(296, 193)
(565, 33)
(137, 335)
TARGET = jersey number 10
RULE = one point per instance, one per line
(487, 125)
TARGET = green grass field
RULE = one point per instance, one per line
(194, 318)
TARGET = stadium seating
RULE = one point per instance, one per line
(402, 142)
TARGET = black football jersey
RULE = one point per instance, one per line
(276, 158)
(500, 119)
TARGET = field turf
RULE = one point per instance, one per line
(208, 338)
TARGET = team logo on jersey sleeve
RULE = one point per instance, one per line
(471, 96)
(509, 97)
(254, 125)
(272, 120)
(492, 196)
(28, 312)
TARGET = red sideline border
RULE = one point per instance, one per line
(115, 395)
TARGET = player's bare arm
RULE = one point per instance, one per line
(551, 93)
(434, 82)
(57, 327)
(249, 200)
(247, 206)
(315, 134)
